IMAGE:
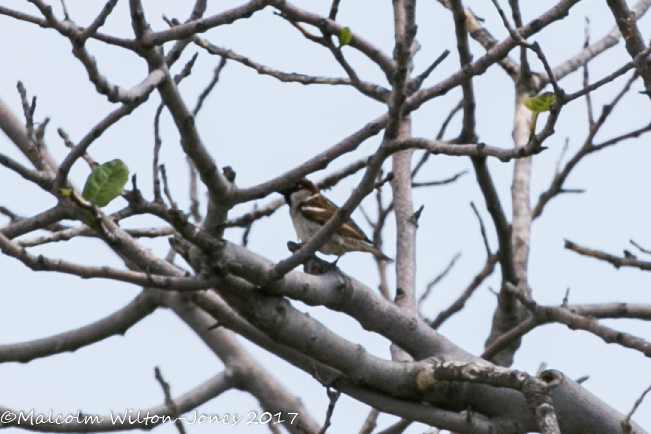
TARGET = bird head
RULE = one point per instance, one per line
(302, 185)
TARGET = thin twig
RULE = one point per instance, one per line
(626, 261)
(640, 248)
(210, 87)
(194, 192)
(588, 98)
(438, 279)
(166, 189)
(626, 423)
(333, 9)
(482, 228)
(168, 401)
(333, 395)
(370, 423)
(157, 145)
(441, 182)
(69, 144)
(459, 304)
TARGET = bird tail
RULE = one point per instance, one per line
(376, 252)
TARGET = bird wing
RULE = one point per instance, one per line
(319, 209)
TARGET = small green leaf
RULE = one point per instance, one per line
(345, 36)
(106, 182)
(540, 103)
(65, 192)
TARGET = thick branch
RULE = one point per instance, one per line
(115, 324)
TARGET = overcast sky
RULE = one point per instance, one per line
(262, 127)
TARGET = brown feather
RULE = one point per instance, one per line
(319, 209)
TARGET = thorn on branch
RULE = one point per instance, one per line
(416, 216)
(582, 379)
(229, 174)
(566, 299)
(134, 196)
(628, 254)
(542, 368)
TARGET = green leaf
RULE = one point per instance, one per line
(106, 182)
(345, 36)
(65, 192)
(540, 103)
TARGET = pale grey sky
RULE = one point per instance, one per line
(262, 127)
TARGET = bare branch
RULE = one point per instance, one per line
(495, 54)
(210, 87)
(329, 26)
(202, 25)
(437, 279)
(415, 83)
(333, 396)
(18, 134)
(482, 228)
(556, 186)
(626, 423)
(201, 394)
(98, 22)
(574, 321)
(625, 20)
(465, 58)
(333, 9)
(626, 261)
(85, 231)
(82, 147)
(586, 78)
(397, 428)
(589, 53)
(39, 221)
(173, 409)
(370, 423)
(42, 179)
(115, 324)
(112, 40)
(442, 182)
(641, 249)
(40, 263)
(537, 391)
(467, 293)
(507, 339)
(376, 92)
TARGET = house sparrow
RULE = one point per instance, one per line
(310, 211)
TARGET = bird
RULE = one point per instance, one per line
(310, 211)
